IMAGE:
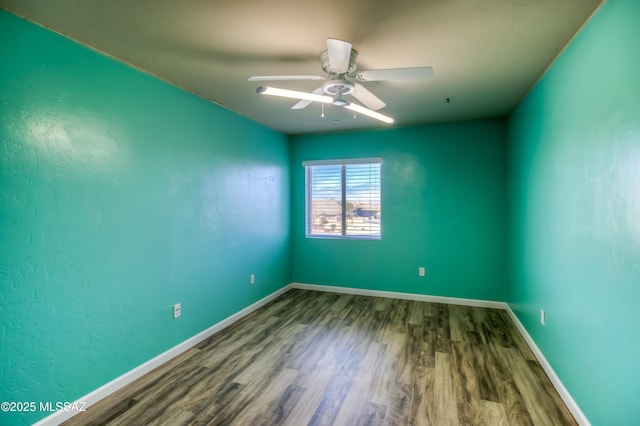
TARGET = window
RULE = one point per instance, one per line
(343, 198)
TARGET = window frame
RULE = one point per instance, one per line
(344, 163)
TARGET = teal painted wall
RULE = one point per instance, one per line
(121, 195)
(443, 207)
(575, 208)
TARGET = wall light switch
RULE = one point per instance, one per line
(252, 279)
(421, 271)
(543, 319)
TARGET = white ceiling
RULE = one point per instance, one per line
(486, 54)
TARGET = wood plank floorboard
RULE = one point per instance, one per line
(319, 358)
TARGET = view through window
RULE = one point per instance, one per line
(343, 198)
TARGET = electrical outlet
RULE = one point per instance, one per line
(421, 271)
(543, 317)
(176, 310)
(252, 279)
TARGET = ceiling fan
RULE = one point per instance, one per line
(343, 79)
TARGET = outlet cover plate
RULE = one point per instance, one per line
(176, 310)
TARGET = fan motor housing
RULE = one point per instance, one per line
(324, 60)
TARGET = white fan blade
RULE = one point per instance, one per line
(369, 100)
(305, 102)
(339, 55)
(418, 73)
(284, 77)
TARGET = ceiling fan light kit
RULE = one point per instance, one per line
(373, 114)
(339, 62)
(338, 101)
(293, 94)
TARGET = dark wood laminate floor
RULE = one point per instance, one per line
(314, 358)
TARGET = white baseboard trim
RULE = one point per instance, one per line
(128, 377)
(403, 296)
(555, 380)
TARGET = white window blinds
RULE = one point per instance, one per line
(343, 198)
